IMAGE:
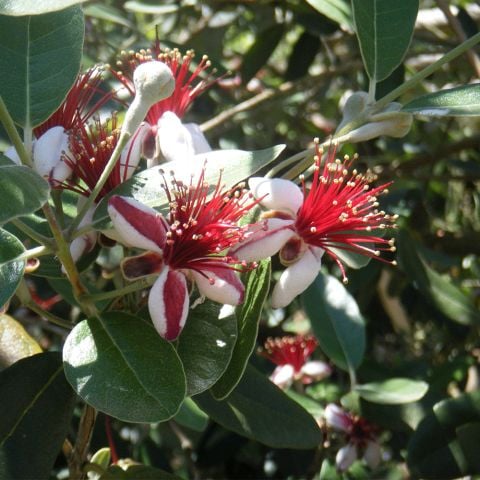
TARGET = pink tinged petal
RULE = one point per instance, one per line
(222, 285)
(345, 457)
(168, 303)
(283, 376)
(85, 243)
(337, 418)
(315, 370)
(264, 243)
(131, 154)
(199, 142)
(147, 263)
(372, 454)
(138, 225)
(296, 278)
(174, 139)
(48, 155)
(277, 193)
(12, 154)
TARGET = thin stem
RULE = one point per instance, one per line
(133, 287)
(448, 57)
(372, 87)
(122, 141)
(35, 252)
(13, 135)
(30, 232)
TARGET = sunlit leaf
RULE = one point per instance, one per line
(393, 391)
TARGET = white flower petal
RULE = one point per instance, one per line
(174, 140)
(12, 154)
(316, 370)
(47, 155)
(199, 142)
(264, 243)
(345, 457)
(283, 375)
(372, 454)
(296, 278)
(222, 286)
(131, 154)
(337, 418)
(168, 303)
(278, 193)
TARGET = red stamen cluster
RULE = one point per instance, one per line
(91, 147)
(75, 108)
(361, 431)
(188, 85)
(340, 210)
(203, 223)
(290, 350)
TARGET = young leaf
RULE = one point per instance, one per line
(259, 410)
(248, 317)
(40, 59)
(15, 342)
(205, 346)
(437, 448)
(337, 10)
(460, 101)
(384, 30)
(11, 268)
(146, 186)
(23, 191)
(393, 391)
(34, 7)
(120, 365)
(336, 321)
(37, 404)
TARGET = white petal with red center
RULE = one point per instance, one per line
(372, 454)
(138, 225)
(316, 370)
(264, 243)
(345, 457)
(277, 193)
(199, 142)
(337, 418)
(131, 154)
(47, 155)
(283, 375)
(168, 303)
(297, 277)
(174, 140)
(222, 285)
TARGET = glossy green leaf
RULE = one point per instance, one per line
(257, 284)
(437, 448)
(205, 346)
(261, 50)
(191, 416)
(384, 30)
(339, 11)
(37, 405)
(336, 321)
(23, 191)
(311, 406)
(460, 101)
(40, 59)
(120, 365)
(34, 7)
(15, 342)
(259, 410)
(146, 186)
(11, 267)
(393, 391)
(439, 291)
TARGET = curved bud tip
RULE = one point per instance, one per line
(153, 81)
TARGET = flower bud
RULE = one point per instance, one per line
(337, 418)
(48, 155)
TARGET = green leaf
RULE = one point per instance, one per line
(311, 406)
(40, 59)
(37, 405)
(336, 321)
(15, 342)
(205, 346)
(259, 410)
(384, 30)
(248, 314)
(261, 50)
(339, 11)
(439, 291)
(23, 191)
(460, 101)
(393, 391)
(107, 13)
(34, 7)
(11, 268)
(303, 54)
(191, 416)
(120, 365)
(146, 186)
(437, 448)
